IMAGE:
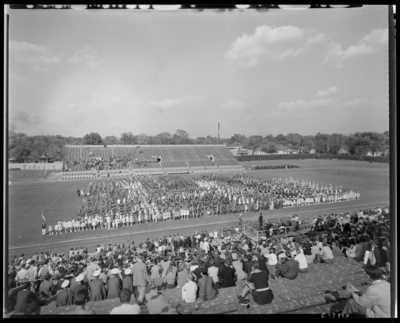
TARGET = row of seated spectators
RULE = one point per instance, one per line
(198, 264)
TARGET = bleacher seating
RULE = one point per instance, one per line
(320, 290)
(174, 158)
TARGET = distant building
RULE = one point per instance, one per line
(343, 151)
(238, 151)
(257, 152)
(377, 153)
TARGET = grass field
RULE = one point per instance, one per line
(59, 200)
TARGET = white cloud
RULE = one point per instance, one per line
(38, 57)
(233, 105)
(274, 43)
(187, 101)
(305, 105)
(332, 89)
(88, 55)
(370, 44)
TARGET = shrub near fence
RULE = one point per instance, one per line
(313, 156)
(275, 166)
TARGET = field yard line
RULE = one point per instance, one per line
(54, 201)
(272, 216)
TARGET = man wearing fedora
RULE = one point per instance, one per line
(97, 289)
(65, 296)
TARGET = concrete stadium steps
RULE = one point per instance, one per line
(318, 291)
(100, 307)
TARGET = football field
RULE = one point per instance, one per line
(59, 201)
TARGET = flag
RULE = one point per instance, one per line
(44, 219)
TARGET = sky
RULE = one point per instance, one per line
(256, 73)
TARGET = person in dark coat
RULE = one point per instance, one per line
(206, 287)
(127, 281)
(97, 289)
(259, 281)
(247, 265)
(65, 296)
(79, 286)
(22, 296)
(46, 287)
(114, 284)
(262, 263)
(227, 276)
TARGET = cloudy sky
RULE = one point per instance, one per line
(257, 73)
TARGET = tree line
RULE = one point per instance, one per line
(22, 147)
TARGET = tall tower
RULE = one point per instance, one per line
(218, 130)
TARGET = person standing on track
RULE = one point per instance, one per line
(43, 228)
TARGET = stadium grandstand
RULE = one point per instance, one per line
(88, 161)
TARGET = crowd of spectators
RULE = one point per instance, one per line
(144, 198)
(100, 163)
(201, 264)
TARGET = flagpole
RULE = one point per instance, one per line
(353, 169)
(338, 167)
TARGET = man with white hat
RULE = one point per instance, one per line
(79, 281)
(65, 296)
(114, 284)
(97, 288)
(127, 281)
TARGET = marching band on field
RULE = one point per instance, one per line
(143, 199)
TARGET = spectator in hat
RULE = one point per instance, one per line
(91, 268)
(127, 281)
(22, 297)
(114, 284)
(258, 281)
(207, 292)
(79, 286)
(73, 283)
(189, 290)
(46, 287)
(81, 297)
(375, 302)
(65, 296)
(97, 289)
(126, 307)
